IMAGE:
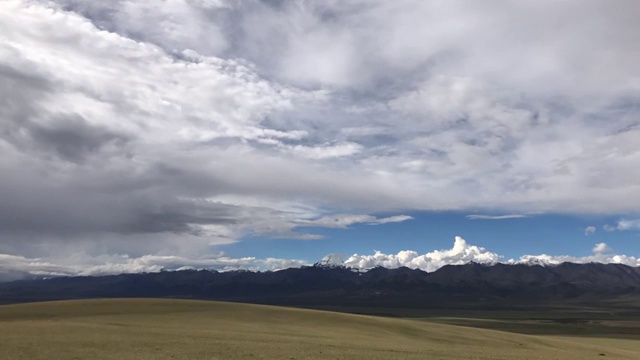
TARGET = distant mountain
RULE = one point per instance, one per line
(330, 283)
(331, 260)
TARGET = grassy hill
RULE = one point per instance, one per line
(181, 329)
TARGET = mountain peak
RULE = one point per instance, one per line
(330, 261)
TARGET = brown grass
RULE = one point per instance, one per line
(180, 329)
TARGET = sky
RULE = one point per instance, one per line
(145, 135)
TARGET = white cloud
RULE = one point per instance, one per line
(391, 219)
(17, 267)
(324, 151)
(176, 24)
(628, 225)
(623, 225)
(343, 221)
(589, 230)
(461, 253)
(495, 217)
(601, 248)
(545, 259)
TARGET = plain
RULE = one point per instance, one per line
(184, 329)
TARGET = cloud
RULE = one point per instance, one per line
(135, 140)
(127, 121)
(602, 253)
(18, 267)
(345, 220)
(628, 225)
(460, 253)
(81, 264)
(391, 219)
(180, 24)
(324, 151)
(495, 217)
(14, 267)
(623, 225)
(604, 258)
(601, 248)
(589, 230)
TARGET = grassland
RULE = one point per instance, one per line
(614, 321)
(179, 329)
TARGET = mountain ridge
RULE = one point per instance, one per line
(330, 283)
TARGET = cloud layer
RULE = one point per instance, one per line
(462, 253)
(19, 267)
(145, 129)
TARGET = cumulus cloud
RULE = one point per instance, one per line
(589, 230)
(495, 217)
(601, 248)
(460, 253)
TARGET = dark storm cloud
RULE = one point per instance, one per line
(42, 195)
(72, 138)
(28, 84)
(67, 177)
(37, 202)
(29, 126)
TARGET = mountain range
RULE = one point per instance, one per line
(328, 283)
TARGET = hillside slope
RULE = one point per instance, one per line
(180, 329)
